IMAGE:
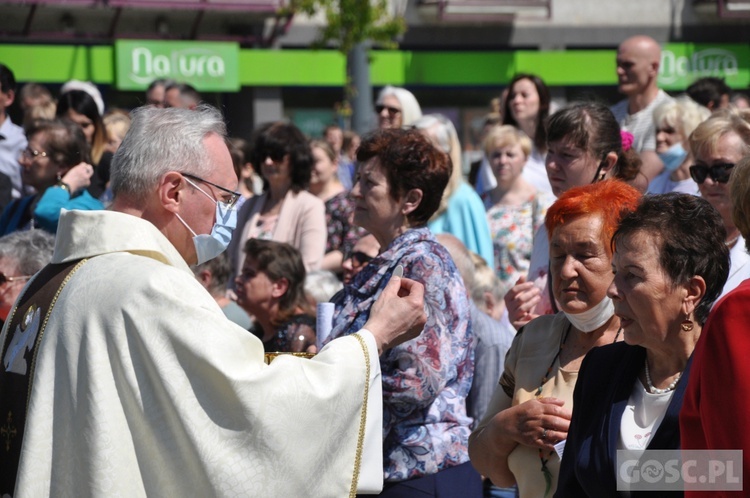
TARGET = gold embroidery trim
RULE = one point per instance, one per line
(362, 419)
(44, 327)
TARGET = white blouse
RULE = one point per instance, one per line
(642, 416)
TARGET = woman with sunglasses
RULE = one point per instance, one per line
(364, 251)
(717, 145)
(711, 415)
(396, 108)
(56, 164)
(285, 211)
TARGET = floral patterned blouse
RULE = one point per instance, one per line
(512, 229)
(342, 235)
(294, 335)
(425, 380)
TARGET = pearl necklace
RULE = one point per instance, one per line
(732, 241)
(654, 390)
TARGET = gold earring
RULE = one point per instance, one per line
(687, 324)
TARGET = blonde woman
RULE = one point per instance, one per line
(674, 121)
(117, 124)
(515, 208)
(717, 145)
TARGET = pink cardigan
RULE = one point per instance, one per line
(301, 223)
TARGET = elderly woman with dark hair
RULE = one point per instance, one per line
(668, 270)
(710, 413)
(285, 211)
(55, 163)
(271, 289)
(426, 380)
(531, 408)
(22, 254)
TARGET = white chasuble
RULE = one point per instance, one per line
(143, 388)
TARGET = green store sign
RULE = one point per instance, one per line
(209, 66)
(683, 63)
(132, 65)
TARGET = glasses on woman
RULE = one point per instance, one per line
(719, 173)
(392, 111)
(29, 153)
(4, 280)
(359, 259)
(276, 155)
(232, 198)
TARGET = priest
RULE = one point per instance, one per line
(121, 375)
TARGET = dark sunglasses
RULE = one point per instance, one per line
(360, 258)
(392, 111)
(718, 172)
(276, 155)
(4, 280)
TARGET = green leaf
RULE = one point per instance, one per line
(349, 22)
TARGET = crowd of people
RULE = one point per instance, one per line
(497, 334)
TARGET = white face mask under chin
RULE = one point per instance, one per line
(590, 320)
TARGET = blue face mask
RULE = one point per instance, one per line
(208, 246)
(673, 157)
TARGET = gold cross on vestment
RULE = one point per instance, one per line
(8, 431)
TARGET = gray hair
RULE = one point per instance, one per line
(683, 114)
(445, 139)
(31, 250)
(410, 110)
(221, 271)
(321, 285)
(162, 140)
(485, 282)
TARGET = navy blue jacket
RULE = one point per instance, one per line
(604, 384)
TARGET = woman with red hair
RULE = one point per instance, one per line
(669, 267)
(531, 409)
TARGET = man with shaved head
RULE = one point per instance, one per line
(638, 60)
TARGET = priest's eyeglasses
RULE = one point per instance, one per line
(4, 280)
(232, 198)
